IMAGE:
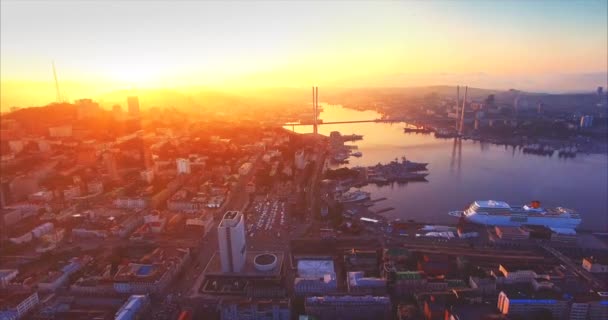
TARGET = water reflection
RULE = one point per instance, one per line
(456, 156)
(489, 172)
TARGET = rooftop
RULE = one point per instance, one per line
(12, 300)
(315, 268)
(214, 267)
(598, 259)
(231, 219)
(492, 204)
(348, 299)
(529, 295)
(6, 272)
(408, 275)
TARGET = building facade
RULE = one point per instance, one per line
(231, 239)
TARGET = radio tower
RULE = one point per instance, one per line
(56, 84)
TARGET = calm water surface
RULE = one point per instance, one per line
(463, 171)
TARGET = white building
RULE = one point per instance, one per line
(95, 186)
(266, 309)
(133, 106)
(7, 275)
(61, 131)
(71, 192)
(326, 284)
(16, 146)
(245, 168)
(595, 265)
(300, 160)
(183, 166)
(357, 283)
(148, 175)
(231, 238)
(520, 303)
(586, 121)
(134, 306)
(16, 306)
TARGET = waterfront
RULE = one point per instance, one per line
(463, 171)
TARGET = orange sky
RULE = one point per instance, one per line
(104, 46)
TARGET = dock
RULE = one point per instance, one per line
(384, 210)
(379, 199)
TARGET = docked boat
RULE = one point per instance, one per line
(416, 129)
(567, 152)
(414, 166)
(357, 154)
(352, 137)
(340, 157)
(377, 179)
(500, 213)
(445, 133)
(354, 196)
(410, 176)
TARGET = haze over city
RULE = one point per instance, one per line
(309, 160)
(103, 46)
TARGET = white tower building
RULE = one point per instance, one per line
(231, 239)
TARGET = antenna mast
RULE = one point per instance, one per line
(56, 84)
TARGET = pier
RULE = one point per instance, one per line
(384, 210)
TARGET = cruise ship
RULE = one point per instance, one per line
(500, 213)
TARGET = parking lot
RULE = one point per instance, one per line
(267, 219)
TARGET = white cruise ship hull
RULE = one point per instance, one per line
(519, 220)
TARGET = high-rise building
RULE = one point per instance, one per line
(586, 121)
(183, 166)
(133, 103)
(117, 112)
(110, 162)
(86, 108)
(5, 190)
(231, 238)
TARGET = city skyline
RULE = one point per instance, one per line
(282, 160)
(100, 47)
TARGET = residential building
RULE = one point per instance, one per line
(6, 276)
(348, 307)
(60, 131)
(133, 106)
(523, 303)
(324, 285)
(586, 122)
(133, 307)
(16, 306)
(596, 264)
(357, 283)
(183, 166)
(268, 309)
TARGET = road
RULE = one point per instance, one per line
(577, 268)
(192, 277)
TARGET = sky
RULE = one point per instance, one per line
(100, 46)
